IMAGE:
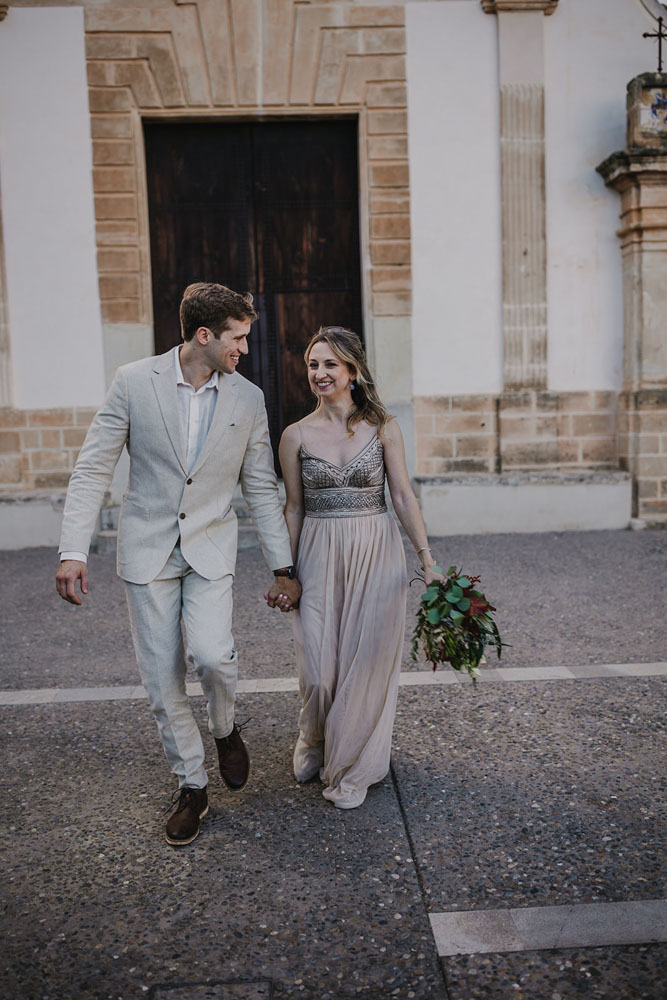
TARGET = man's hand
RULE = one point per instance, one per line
(70, 571)
(283, 593)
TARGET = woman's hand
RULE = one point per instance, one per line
(431, 575)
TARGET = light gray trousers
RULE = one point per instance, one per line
(163, 649)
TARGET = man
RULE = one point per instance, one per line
(194, 428)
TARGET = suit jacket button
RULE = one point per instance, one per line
(188, 482)
(181, 516)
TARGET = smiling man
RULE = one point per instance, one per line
(194, 429)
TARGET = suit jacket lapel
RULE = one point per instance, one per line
(164, 383)
(222, 417)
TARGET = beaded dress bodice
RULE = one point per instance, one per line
(352, 490)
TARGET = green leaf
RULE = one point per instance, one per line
(434, 616)
(430, 595)
(456, 616)
(463, 581)
(451, 570)
(463, 604)
(436, 568)
(455, 592)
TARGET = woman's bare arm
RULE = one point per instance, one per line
(403, 498)
(290, 463)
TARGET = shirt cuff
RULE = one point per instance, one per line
(80, 556)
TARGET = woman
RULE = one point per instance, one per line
(350, 561)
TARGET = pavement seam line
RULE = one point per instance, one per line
(418, 872)
(408, 678)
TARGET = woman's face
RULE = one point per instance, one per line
(329, 377)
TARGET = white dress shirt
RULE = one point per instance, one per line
(196, 408)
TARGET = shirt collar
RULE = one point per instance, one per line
(180, 379)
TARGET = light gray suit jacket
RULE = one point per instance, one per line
(162, 501)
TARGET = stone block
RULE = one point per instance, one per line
(435, 447)
(463, 423)
(648, 489)
(121, 311)
(30, 439)
(392, 303)
(111, 232)
(112, 151)
(548, 401)
(651, 422)
(83, 415)
(371, 16)
(386, 95)
(110, 45)
(118, 259)
(653, 507)
(651, 467)
(599, 450)
(389, 200)
(529, 454)
(389, 175)
(99, 73)
(517, 401)
(382, 40)
(475, 446)
(387, 122)
(568, 451)
(49, 461)
(51, 418)
(10, 469)
(51, 437)
(390, 278)
(649, 444)
(111, 126)
(114, 179)
(424, 425)
(391, 251)
(10, 442)
(387, 147)
(74, 437)
(108, 99)
(12, 418)
(115, 206)
(47, 480)
(592, 425)
(431, 405)
(482, 404)
(119, 286)
(390, 227)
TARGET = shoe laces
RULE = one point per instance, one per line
(181, 795)
(238, 729)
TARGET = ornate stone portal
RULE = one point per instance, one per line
(639, 174)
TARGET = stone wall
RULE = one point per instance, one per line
(525, 430)
(38, 448)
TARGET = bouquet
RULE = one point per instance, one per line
(455, 623)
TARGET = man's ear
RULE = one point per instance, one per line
(203, 335)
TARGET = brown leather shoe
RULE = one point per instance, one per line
(234, 760)
(183, 824)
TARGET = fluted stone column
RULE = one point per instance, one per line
(5, 361)
(521, 84)
(639, 174)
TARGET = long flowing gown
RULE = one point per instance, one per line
(350, 623)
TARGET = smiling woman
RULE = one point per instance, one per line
(349, 627)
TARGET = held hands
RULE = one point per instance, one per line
(283, 594)
(70, 571)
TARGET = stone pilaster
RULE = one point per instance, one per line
(639, 174)
(521, 85)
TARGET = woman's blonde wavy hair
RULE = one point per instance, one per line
(347, 347)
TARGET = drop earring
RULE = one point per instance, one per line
(352, 386)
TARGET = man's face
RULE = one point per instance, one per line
(224, 354)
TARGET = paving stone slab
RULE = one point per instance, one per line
(280, 886)
(558, 598)
(636, 972)
(534, 794)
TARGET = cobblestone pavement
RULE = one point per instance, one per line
(519, 795)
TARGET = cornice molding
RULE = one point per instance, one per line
(519, 6)
(4, 7)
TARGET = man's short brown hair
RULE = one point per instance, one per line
(205, 303)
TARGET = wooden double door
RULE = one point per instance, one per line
(271, 208)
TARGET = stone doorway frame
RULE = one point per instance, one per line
(177, 62)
